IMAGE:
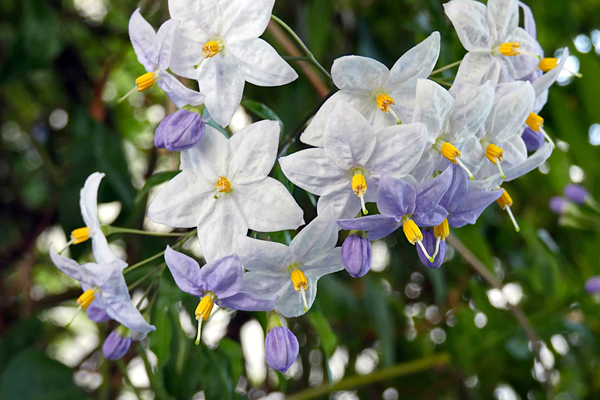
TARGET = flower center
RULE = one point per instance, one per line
(495, 154)
(505, 202)
(80, 235)
(510, 49)
(452, 154)
(86, 298)
(359, 186)
(203, 311)
(536, 123)
(547, 64)
(222, 185)
(384, 102)
(210, 49)
(300, 285)
(441, 232)
(145, 81)
(414, 235)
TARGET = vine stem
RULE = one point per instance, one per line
(437, 71)
(479, 267)
(394, 371)
(301, 43)
(115, 229)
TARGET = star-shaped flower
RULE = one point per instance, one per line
(498, 49)
(105, 289)
(381, 95)
(346, 171)
(217, 44)
(223, 189)
(291, 272)
(153, 50)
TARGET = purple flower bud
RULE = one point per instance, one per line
(559, 205)
(115, 346)
(576, 193)
(592, 285)
(357, 255)
(281, 347)
(179, 131)
(429, 241)
(533, 140)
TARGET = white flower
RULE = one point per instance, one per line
(346, 171)
(217, 44)
(223, 189)
(88, 202)
(374, 90)
(498, 49)
(451, 119)
(291, 272)
(153, 50)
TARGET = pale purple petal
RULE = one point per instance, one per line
(142, 36)
(115, 346)
(429, 241)
(281, 348)
(223, 277)
(357, 255)
(396, 197)
(186, 272)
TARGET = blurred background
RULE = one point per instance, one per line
(64, 64)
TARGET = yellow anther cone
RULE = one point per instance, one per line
(210, 49)
(547, 64)
(86, 298)
(223, 185)
(145, 81)
(442, 231)
(80, 235)
(509, 49)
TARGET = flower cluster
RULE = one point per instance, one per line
(430, 158)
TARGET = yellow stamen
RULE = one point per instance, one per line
(505, 202)
(384, 102)
(547, 64)
(145, 81)
(495, 154)
(210, 49)
(414, 235)
(510, 49)
(453, 154)
(359, 186)
(300, 285)
(80, 235)
(442, 231)
(536, 123)
(222, 185)
(86, 298)
(203, 312)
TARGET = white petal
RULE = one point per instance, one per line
(246, 19)
(510, 111)
(358, 73)
(208, 14)
(290, 303)
(472, 105)
(102, 251)
(179, 94)
(416, 63)
(502, 17)
(515, 151)
(313, 135)
(432, 107)
(260, 63)
(469, 20)
(163, 43)
(88, 201)
(263, 256)
(397, 150)
(313, 171)
(209, 158)
(253, 151)
(222, 82)
(316, 239)
(343, 202)
(523, 65)
(219, 229)
(267, 206)
(327, 264)
(183, 202)
(478, 68)
(349, 140)
(142, 35)
(543, 83)
(533, 161)
(187, 49)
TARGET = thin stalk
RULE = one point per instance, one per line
(143, 278)
(437, 71)
(394, 371)
(301, 43)
(123, 368)
(441, 82)
(116, 229)
(519, 315)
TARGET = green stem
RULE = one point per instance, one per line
(301, 43)
(443, 83)
(151, 285)
(123, 368)
(394, 371)
(109, 230)
(155, 380)
(437, 71)
(143, 278)
(177, 245)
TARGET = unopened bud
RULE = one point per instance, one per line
(357, 255)
(179, 131)
(281, 348)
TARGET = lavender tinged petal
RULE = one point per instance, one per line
(281, 347)
(96, 314)
(470, 207)
(576, 193)
(357, 255)
(246, 301)
(431, 218)
(457, 189)
(559, 205)
(185, 271)
(179, 131)
(533, 140)
(429, 241)
(396, 197)
(430, 193)
(592, 285)
(377, 226)
(223, 277)
(115, 346)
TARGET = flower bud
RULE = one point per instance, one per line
(559, 205)
(576, 193)
(179, 131)
(357, 255)
(592, 285)
(533, 140)
(115, 346)
(281, 347)
(429, 242)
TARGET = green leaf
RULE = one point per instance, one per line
(155, 180)
(160, 341)
(33, 376)
(328, 338)
(262, 111)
